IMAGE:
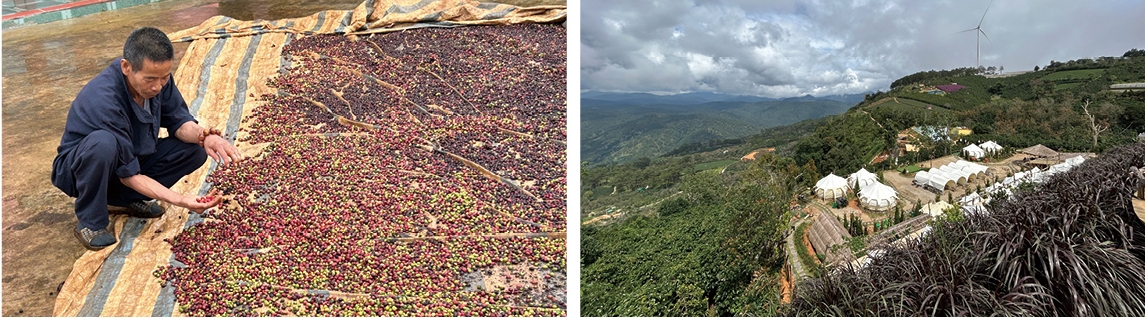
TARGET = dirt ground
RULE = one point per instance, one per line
(909, 193)
(38, 246)
(44, 67)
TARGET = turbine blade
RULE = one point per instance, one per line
(984, 34)
(984, 13)
(964, 31)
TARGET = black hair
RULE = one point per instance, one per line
(147, 43)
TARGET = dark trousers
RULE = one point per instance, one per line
(87, 173)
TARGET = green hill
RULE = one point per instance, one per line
(615, 132)
(1041, 107)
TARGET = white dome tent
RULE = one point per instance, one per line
(878, 197)
(831, 187)
(990, 147)
(973, 151)
(862, 178)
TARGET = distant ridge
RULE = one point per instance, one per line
(619, 127)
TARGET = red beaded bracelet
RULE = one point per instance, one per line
(209, 132)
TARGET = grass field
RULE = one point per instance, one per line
(1074, 75)
(712, 165)
(601, 191)
(903, 104)
(1059, 87)
(912, 169)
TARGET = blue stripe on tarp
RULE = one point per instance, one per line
(345, 22)
(109, 272)
(498, 14)
(318, 25)
(205, 75)
(241, 87)
(283, 61)
(369, 9)
(409, 8)
(431, 17)
(165, 303)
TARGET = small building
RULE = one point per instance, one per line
(1040, 151)
(963, 131)
(1127, 87)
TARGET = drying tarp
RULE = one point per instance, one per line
(379, 16)
(227, 62)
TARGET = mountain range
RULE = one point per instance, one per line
(619, 127)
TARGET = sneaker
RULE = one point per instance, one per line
(94, 240)
(141, 209)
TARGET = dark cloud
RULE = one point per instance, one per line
(789, 48)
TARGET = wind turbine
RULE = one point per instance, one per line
(978, 56)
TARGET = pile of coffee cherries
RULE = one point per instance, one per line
(414, 173)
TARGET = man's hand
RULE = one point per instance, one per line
(193, 203)
(222, 151)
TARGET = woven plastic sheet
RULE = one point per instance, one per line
(227, 63)
(376, 16)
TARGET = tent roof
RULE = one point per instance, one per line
(972, 148)
(990, 145)
(862, 174)
(831, 181)
(878, 191)
(935, 208)
(862, 178)
(1040, 151)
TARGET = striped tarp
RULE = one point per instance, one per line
(227, 62)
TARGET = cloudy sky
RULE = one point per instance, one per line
(786, 48)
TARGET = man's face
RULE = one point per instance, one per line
(148, 80)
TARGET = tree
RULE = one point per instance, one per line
(810, 173)
(1096, 127)
(641, 162)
